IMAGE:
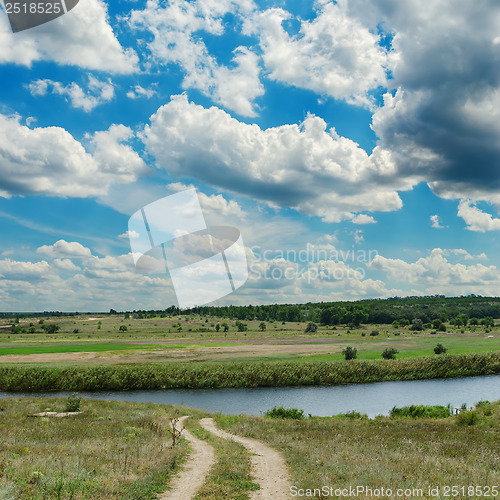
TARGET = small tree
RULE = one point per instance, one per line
(350, 352)
(123, 328)
(225, 326)
(417, 325)
(217, 327)
(440, 349)
(51, 328)
(311, 327)
(390, 353)
(262, 326)
(174, 431)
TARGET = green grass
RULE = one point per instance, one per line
(229, 478)
(114, 450)
(244, 374)
(384, 452)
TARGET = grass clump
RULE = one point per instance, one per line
(282, 412)
(73, 403)
(421, 411)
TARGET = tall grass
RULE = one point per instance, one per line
(245, 374)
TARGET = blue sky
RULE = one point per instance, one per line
(344, 129)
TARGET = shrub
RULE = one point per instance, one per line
(281, 412)
(311, 327)
(467, 417)
(417, 325)
(76, 330)
(262, 326)
(352, 415)
(123, 328)
(442, 327)
(374, 333)
(350, 352)
(51, 328)
(421, 411)
(73, 403)
(440, 349)
(389, 353)
(427, 326)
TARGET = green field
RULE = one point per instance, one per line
(118, 450)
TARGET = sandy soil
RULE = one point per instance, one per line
(185, 485)
(269, 468)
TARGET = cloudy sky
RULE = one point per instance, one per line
(355, 144)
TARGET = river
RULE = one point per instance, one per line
(372, 399)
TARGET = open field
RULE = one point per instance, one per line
(194, 338)
(121, 450)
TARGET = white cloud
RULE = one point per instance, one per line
(129, 234)
(334, 54)
(175, 41)
(83, 37)
(66, 265)
(138, 91)
(435, 221)
(476, 219)
(65, 249)
(363, 219)
(307, 167)
(50, 161)
(98, 92)
(28, 271)
(435, 271)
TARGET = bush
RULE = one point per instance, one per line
(390, 353)
(281, 412)
(421, 411)
(374, 333)
(350, 352)
(467, 417)
(311, 327)
(417, 325)
(442, 327)
(440, 349)
(51, 328)
(123, 328)
(73, 403)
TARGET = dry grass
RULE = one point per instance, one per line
(385, 452)
(111, 451)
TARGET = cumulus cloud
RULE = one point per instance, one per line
(435, 221)
(174, 28)
(83, 37)
(64, 249)
(442, 124)
(48, 160)
(334, 54)
(306, 166)
(98, 92)
(476, 219)
(435, 271)
(138, 91)
(363, 219)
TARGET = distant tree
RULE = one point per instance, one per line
(51, 328)
(262, 326)
(242, 327)
(225, 326)
(436, 324)
(76, 330)
(442, 327)
(350, 352)
(389, 353)
(217, 327)
(440, 349)
(395, 324)
(417, 325)
(123, 328)
(489, 322)
(311, 327)
(404, 322)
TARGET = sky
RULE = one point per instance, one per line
(354, 144)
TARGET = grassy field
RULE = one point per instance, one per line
(384, 452)
(121, 450)
(111, 451)
(87, 339)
